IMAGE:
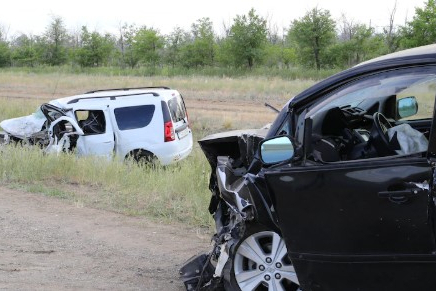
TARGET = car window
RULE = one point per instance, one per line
(177, 109)
(424, 91)
(91, 121)
(366, 92)
(134, 116)
(363, 119)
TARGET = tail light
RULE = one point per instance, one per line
(170, 135)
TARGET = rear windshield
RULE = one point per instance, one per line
(177, 109)
(134, 116)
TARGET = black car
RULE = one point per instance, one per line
(337, 195)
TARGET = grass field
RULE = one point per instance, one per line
(177, 192)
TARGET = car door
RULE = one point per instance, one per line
(358, 226)
(98, 138)
(365, 224)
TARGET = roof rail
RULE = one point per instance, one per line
(127, 89)
(112, 97)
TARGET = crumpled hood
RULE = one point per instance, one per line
(23, 127)
(234, 144)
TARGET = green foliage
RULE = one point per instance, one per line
(147, 44)
(200, 50)
(273, 55)
(27, 51)
(422, 29)
(248, 37)
(358, 44)
(312, 42)
(313, 34)
(95, 49)
(174, 43)
(5, 54)
(54, 43)
(224, 56)
(126, 46)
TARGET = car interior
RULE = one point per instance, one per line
(354, 125)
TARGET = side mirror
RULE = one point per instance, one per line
(407, 107)
(277, 149)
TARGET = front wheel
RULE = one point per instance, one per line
(261, 263)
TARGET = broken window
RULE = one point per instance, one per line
(91, 121)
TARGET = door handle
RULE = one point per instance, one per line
(409, 193)
(400, 196)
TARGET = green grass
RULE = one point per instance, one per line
(172, 193)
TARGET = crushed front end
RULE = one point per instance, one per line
(240, 208)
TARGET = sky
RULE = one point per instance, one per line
(33, 17)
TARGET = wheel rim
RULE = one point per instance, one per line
(261, 263)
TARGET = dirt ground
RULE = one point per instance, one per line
(50, 244)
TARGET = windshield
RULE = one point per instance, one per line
(38, 114)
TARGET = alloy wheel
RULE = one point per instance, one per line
(261, 263)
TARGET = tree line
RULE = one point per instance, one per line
(314, 41)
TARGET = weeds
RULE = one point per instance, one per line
(176, 192)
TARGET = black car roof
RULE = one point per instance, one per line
(418, 56)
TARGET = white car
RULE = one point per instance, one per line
(146, 123)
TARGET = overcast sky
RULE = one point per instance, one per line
(33, 16)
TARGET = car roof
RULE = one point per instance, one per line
(419, 55)
(98, 96)
(427, 50)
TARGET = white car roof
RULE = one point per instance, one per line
(97, 97)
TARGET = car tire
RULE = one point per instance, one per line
(260, 260)
(145, 158)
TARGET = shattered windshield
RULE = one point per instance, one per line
(38, 114)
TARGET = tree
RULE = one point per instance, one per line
(422, 29)
(355, 44)
(5, 54)
(147, 44)
(313, 34)
(174, 43)
(200, 50)
(392, 36)
(5, 51)
(125, 42)
(26, 50)
(248, 37)
(55, 38)
(95, 49)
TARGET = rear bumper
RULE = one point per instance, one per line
(173, 151)
(176, 155)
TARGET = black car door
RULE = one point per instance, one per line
(367, 223)
(362, 225)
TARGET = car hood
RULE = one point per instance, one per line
(235, 144)
(23, 127)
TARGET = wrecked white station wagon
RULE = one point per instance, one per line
(147, 123)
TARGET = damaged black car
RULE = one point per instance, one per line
(338, 194)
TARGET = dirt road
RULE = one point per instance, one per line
(50, 244)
